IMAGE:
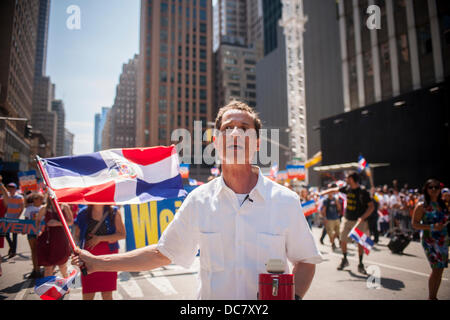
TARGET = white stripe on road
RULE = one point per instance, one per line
(387, 266)
(130, 285)
(161, 283)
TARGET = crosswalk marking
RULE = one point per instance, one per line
(161, 283)
(129, 285)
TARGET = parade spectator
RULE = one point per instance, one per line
(373, 221)
(31, 213)
(52, 244)
(224, 219)
(14, 207)
(431, 217)
(2, 237)
(330, 213)
(359, 208)
(305, 197)
(98, 228)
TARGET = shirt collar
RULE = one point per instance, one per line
(258, 191)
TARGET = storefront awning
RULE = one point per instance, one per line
(347, 166)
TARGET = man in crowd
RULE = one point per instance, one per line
(359, 208)
(14, 206)
(330, 213)
(239, 221)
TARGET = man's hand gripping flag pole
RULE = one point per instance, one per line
(54, 200)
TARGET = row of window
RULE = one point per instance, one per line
(163, 105)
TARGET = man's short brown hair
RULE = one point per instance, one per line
(238, 105)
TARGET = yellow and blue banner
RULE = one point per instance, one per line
(146, 222)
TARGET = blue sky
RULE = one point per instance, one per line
(85, 64)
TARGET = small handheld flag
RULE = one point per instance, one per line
(362, 164)
(54, 288)
(309, 208)
(362, 239)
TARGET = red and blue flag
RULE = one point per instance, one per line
(54, 288)
(116, 176)
(361, 238)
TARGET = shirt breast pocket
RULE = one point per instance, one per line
(270, 246)
(211, 252)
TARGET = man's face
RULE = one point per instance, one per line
(237, 141)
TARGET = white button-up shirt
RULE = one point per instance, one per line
(235, 241)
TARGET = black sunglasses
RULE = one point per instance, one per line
(434, 187)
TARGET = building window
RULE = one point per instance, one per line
(203, 15)
(202, 94)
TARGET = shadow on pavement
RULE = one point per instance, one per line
(387, 283)
(392, 284)
(18, 286)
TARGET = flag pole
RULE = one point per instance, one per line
(55, 203)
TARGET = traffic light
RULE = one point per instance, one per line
(28, 130)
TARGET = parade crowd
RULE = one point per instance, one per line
(393, 210)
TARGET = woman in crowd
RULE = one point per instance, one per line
(98, 229)
(431, 216)
(52, 244)
(31, 213)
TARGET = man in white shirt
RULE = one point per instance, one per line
(239, 221)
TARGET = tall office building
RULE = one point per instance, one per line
(238, 43)
(255, 26)
(68, 143)
(106, 131)
(123, 125)
(43, 118)
(58, 108)
(18, 31)
(395, 78)
(409, 51)
(175, 69)
(230, 23)
(100, 120)
(235, 74)
(272, 10)
(322, 74)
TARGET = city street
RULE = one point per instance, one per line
(394, 277)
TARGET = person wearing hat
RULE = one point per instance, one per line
(14, 206)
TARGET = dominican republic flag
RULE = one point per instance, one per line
(362, 164)
(362, 239)
(184, 170)
(309, 208)
(54, 288)
(274, 170)
(117, 176)
(215, 171)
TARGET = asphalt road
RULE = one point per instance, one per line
(392, 277)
